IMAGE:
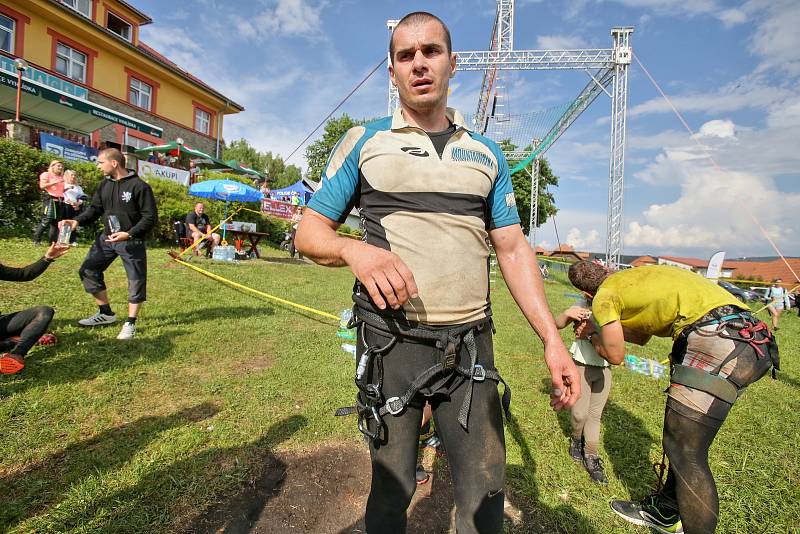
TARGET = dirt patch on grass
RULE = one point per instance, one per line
(254, 364)
(325, 491)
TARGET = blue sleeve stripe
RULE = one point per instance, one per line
(501, 201)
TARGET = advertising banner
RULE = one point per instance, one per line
(151, 170)
(715, 265)
(66, 149)
(276, 208)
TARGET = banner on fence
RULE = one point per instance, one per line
(66, 149)
(276, 208)
(153, 170)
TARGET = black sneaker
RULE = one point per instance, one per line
(594, 466)
(649, 513)
(576, 449)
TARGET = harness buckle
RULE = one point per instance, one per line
(478, 373)
(394, 405)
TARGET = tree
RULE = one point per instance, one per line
(318, 152)
(280, 175)
(521, 182)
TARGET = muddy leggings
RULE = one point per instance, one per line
(28, 324)
(476, 457)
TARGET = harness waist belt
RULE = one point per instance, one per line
(704, 381)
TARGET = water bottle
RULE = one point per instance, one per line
(113, 224)
(344, 318)
(63, 234)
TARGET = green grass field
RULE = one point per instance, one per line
(99, 435)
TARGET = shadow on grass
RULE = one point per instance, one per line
(626, 441)
(207, 314)
(34, 489)
(161, 495)
(537, 517)
(786, 379)
(97, 356)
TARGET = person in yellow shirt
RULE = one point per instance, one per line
(719, 349)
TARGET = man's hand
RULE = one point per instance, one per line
(56, 251)
(384, 275)
(563, 375)
(73, 223)
(584, 329)
(577, 314)
(117, 237)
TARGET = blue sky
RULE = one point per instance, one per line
(732, 68)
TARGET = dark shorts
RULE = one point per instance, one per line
(134, 258)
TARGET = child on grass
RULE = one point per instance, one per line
(595, 385)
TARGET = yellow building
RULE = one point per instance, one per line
(89, 75)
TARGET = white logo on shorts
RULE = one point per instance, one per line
(126, 196)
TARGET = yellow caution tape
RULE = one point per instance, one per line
(223, 243)
(218, 278)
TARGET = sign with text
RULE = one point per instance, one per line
(66, 149)
(152, 170)
(44, 78)
(276, 208)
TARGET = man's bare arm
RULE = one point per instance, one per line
(521, 273)
(383, 274)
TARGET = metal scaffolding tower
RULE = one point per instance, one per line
(605, 67)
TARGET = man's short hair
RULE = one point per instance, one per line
(114, 154)
(416, 18)
(587, 276)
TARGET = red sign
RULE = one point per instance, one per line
(276, 208)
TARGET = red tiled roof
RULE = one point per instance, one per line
(770, 270)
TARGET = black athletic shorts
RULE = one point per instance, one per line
(134, 258)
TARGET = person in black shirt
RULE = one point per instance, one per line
(128, 208)
(19, 331)
(198, 227)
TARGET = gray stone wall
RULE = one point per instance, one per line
(171, 131)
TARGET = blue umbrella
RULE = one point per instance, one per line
(226, 190)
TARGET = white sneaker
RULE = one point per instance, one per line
(98, 319)
(128, 331)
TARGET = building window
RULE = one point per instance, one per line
(119, 26)
(140, 94)
(71, 63)
(7, 26)
(137, 143)
(202, 121)
(84, 7)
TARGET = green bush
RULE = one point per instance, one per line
(20, 199)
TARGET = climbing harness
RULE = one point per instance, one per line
(370, 402)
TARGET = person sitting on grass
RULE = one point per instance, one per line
(19, 331)
(585, 415)
(719, 348)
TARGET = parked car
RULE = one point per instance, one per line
(761, 291)
(744, 295)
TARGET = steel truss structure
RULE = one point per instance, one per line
(606, 68)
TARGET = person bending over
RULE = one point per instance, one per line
(19, 331)
(719, 349)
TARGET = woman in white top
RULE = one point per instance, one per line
(778, 300)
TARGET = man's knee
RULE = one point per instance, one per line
(197, 236)
(44, 313)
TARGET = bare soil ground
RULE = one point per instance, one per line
(325, 491)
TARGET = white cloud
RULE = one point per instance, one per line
(716, 209)
(732, 17)
(583, 240)
(559, 42)
(777, 38)
(286, 18)
(717, 128)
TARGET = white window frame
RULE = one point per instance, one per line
(202, 116)
(128, 37)
(71, 57)
(12, 32)
(137, 143)
(137, 91)
(75, 5)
